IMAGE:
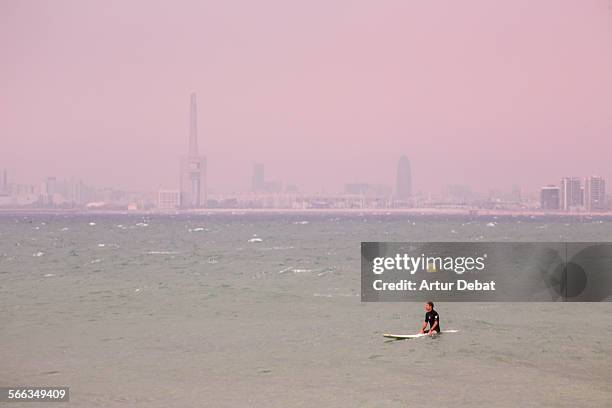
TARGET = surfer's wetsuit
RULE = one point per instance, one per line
(431, 318)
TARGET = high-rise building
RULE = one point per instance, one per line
(258, 181)
(193, 166)
(4, 189)
(48, 190)
(168, 199)
(403, 186)
(595, 193)
(549, 197)
(571, 193)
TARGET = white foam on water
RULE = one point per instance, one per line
(274, 248)
(323, 273)
(255, 240)
(95, 261)
(38, 254)
(48, 275)
(162, 252)
(328, 295)
(92, 224)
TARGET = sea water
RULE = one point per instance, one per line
(264, 310)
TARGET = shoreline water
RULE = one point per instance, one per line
(409, 212)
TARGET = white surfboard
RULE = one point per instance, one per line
(413, 336)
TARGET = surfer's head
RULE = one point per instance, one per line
(429, 306)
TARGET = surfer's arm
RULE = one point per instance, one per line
(434, 327)
(424, 326)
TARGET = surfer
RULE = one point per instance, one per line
(432, 318)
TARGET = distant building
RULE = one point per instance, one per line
(259, 184)
(403, 182)
(273, 187)
(549, 197)
(168, 199)
(258, 181)
(193, 166)
(570, 193)
(75, 192)
(460, 194)
(516, 195)
(367, 190)
(4, 187)
(595, 193)
(48, 189)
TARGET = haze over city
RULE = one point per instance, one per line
(479, 93)
(306, 203)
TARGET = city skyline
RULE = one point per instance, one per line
(486, 102)
(192, 191)
(572, 195)
(190, 178)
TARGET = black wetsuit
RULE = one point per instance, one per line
(431, 318)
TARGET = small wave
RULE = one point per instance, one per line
(92, 224)
(38, 254)
(162, 252)
(294, 270)
(276, 248)
(285, 270)
(326, 271)
(255, 240)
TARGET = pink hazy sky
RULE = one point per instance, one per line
(485, 93)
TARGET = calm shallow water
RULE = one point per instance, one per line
(264, 310)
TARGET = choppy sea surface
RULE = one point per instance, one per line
(247, 310)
